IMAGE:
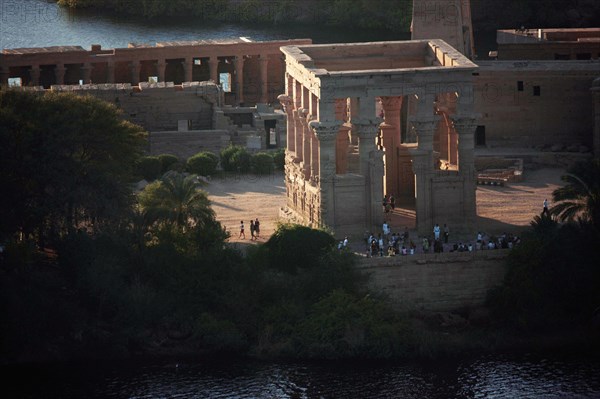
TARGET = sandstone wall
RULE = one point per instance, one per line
(437, 282)
(551, 106)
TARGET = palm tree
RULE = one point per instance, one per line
(579, 199)
(177, 200)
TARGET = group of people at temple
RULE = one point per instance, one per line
(388, 243)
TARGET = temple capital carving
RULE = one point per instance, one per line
(367, 128)
(464, 124)
(325, 131)
(286, 101)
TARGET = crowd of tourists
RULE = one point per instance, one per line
(388, 243)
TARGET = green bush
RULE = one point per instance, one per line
(168, 162)
(226, 155)
(203, 163)
(294, 247)
(279, 158)
(241, 161)
(262, 163)
(149, 167)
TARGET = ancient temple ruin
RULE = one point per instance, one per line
(346, 144)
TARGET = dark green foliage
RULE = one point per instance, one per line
(344, 326)
(235, 158)
(294, 247)
(149, 168)
(168, 162)
(262, 163)
(552, 279)
(579, 198)
(279, 158)
(65, 160)
(203, 164)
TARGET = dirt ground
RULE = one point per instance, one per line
(499, 209)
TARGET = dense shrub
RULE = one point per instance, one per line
(168, 162)
(149, 167)
(292, 247)
(203, 163)
(226, 157)
(279, 158)
(552, 279)
(262, 163)
(241, 161)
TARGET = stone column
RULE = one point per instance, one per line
(314, 152)
(213, 66)
(370, 159)
(264, 84)
(306, 143)
(298, 135)
(110, 72)
(34, 74)
(286, 102)
(188, 69)
(423, 167)
(239, 78)
(465, 126)
(161, 67)
(59, 74)
(135, 67)
(326, 134)
(343, 138)
(4, 75)
(390, 134)
(86, 73)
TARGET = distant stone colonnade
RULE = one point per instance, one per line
(342, 157)
(255, 68)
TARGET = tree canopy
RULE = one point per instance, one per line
(66, 162)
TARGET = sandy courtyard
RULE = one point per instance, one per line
(499, 209)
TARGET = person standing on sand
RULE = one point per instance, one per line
(257, 228)
(436, 232)
(545, 210)
(242, 234)
(252, 230)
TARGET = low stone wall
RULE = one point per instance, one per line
(437, 282)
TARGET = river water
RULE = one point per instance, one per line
(37, 23)
(509, 377)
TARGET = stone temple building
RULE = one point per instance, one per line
(343, 155)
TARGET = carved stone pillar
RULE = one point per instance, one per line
(390, 140)
(59, 74)
(423, 167)
(161, 67)
(213, 66)
(188, 69)
(264, 84)
(306, 143)
(371, 159)
(367, 132)
(110, 72)
(326, 133)
(286, 102)
(299, 136)
(425, 127)
(239, 78)
(465, 126)
(135, 67)
(86, 73)
(34, 74)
